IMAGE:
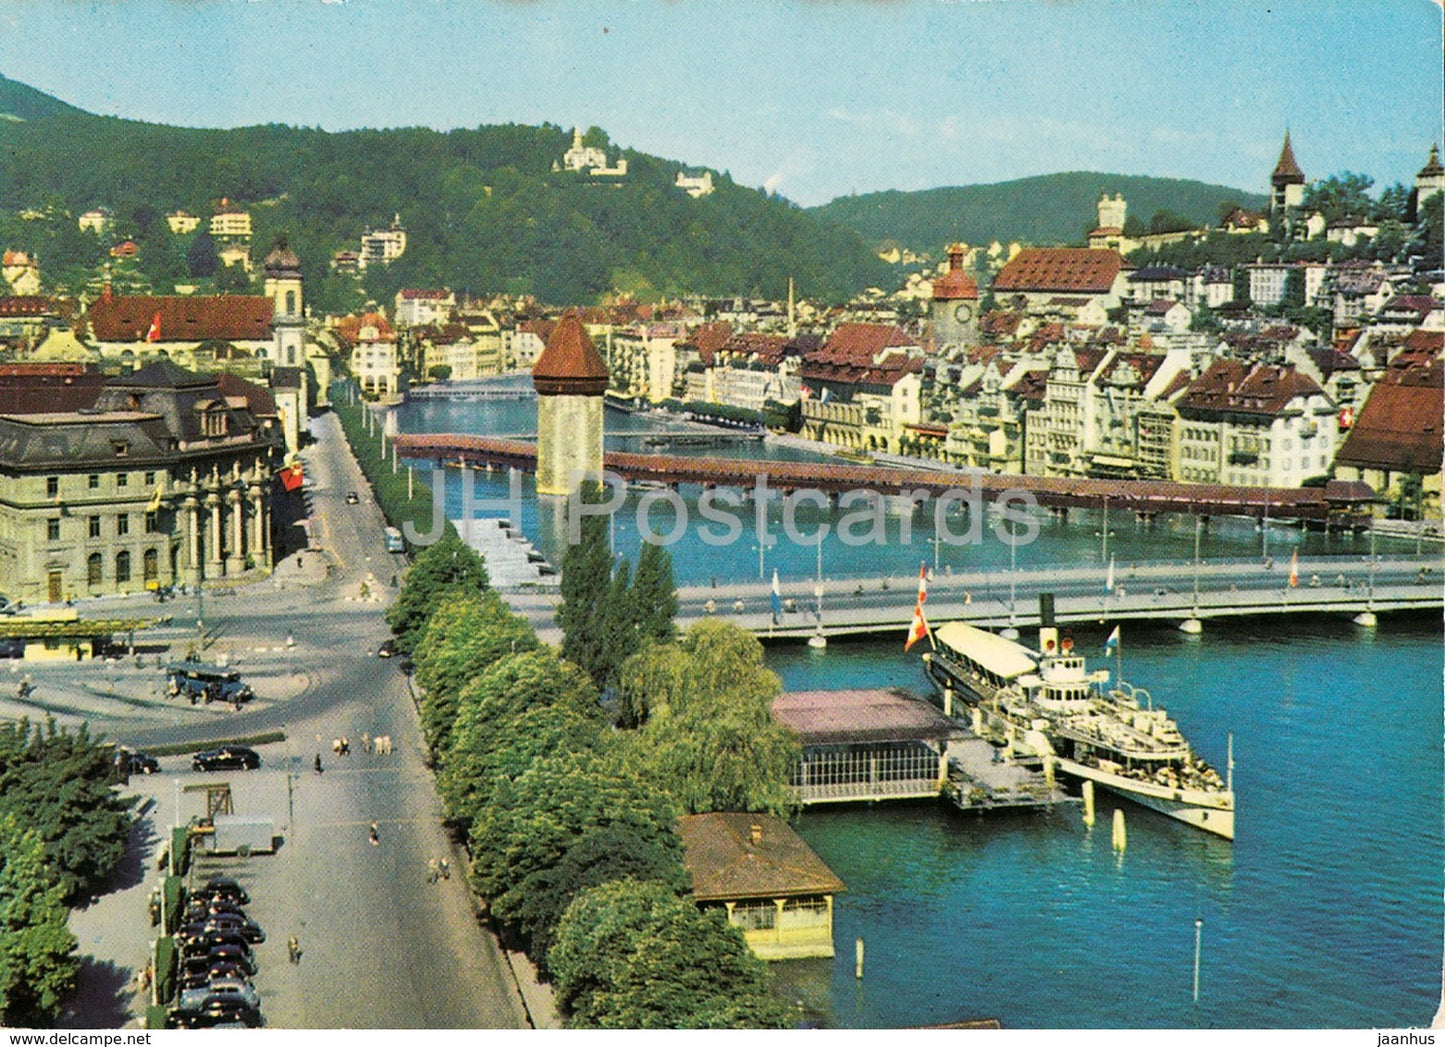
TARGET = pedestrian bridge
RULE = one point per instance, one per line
(1335, 504)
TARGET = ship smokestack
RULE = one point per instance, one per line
(1048, 633)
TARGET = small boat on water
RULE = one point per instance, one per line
(1047, 705)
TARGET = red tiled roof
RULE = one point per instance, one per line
(127, 318)
(1261, 389)
(764, 348)
(570, 365)
(998, 322)
(1146, 364)
(1032, 386)
(257, 399)
(1399, 428)
(349, 327)
(1060, 269)
(955, 283)
(861, 344)
(26, 305)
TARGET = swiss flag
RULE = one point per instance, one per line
(919, 629)
(154, 334)
(292, 476)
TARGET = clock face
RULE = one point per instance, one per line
(963, 312)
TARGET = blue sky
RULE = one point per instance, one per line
(812, 98)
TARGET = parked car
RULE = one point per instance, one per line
(199, 971)
(12, 647)
(212, 1012)
(199, 909)
(223, 887)
(227, 758)
(136, 762)
(351, 498)
(207, 683)
(233, 954)
(230, 988)
(229, 924)
(387, 649)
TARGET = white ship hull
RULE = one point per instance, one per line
(1211, 811)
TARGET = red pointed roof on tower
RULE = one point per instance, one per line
(570, 364)
(1287, 171)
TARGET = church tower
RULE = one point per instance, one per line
(288, 320)
(570, 379)
(1287, 183)
(955, 303)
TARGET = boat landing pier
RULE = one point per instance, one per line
(869, 745)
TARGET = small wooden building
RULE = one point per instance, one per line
(774, 888)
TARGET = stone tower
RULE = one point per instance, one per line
(283, 287)
(570, 379)
(1287, 183)
(955, 303)
(1112, 212)
(1429, 182)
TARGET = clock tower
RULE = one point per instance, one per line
(955, 304)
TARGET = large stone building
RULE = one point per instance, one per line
(166, 478)
(1043, 280)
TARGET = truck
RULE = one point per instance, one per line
(239, 834)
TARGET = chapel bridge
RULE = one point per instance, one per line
(1337, 503)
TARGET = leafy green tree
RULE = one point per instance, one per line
(57, 783)
(201, 255)
(586, 614)
(447, 568)
(38, 965)
(1167, 221)
(487, 740)
(462, 638)
(633, 955)
(530, 824)
(441, 372)
(707, 732)
(233, 279)
(1339, 196)
(484, 757)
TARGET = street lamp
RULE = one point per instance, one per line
(1104, 534)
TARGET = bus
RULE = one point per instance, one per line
(394, 543)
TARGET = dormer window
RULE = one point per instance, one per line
(120, 448)
(213, 422)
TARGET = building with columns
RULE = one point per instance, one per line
(165, 479)
(570, 379)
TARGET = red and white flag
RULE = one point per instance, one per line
(919, 629)
(154, 334)
(1294, 569)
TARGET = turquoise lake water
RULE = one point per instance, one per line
(1326, 911)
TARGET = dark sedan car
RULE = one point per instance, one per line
(200, 909)
(226, 924)
(139, 762)
(226, 758)
(223, 887)
(213, 1011)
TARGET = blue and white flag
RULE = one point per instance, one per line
(1113, 640)
(777, 596)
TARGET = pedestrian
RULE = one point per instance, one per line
(366, 741)
(317, 763)
(446, 868)
(433, 870)
(375, 835)
(293, 949)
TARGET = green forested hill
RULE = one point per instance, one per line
(1046, 209)
(21, 102)
(483, 210)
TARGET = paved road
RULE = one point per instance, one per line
(382, 947)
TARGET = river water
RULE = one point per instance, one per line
(1326, 911)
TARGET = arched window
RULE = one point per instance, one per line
(92, 569)
(290, 303)
(150, 565)
(122, 567)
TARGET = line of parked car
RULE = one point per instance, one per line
(214, 987)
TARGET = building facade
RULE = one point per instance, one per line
(163, 480)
